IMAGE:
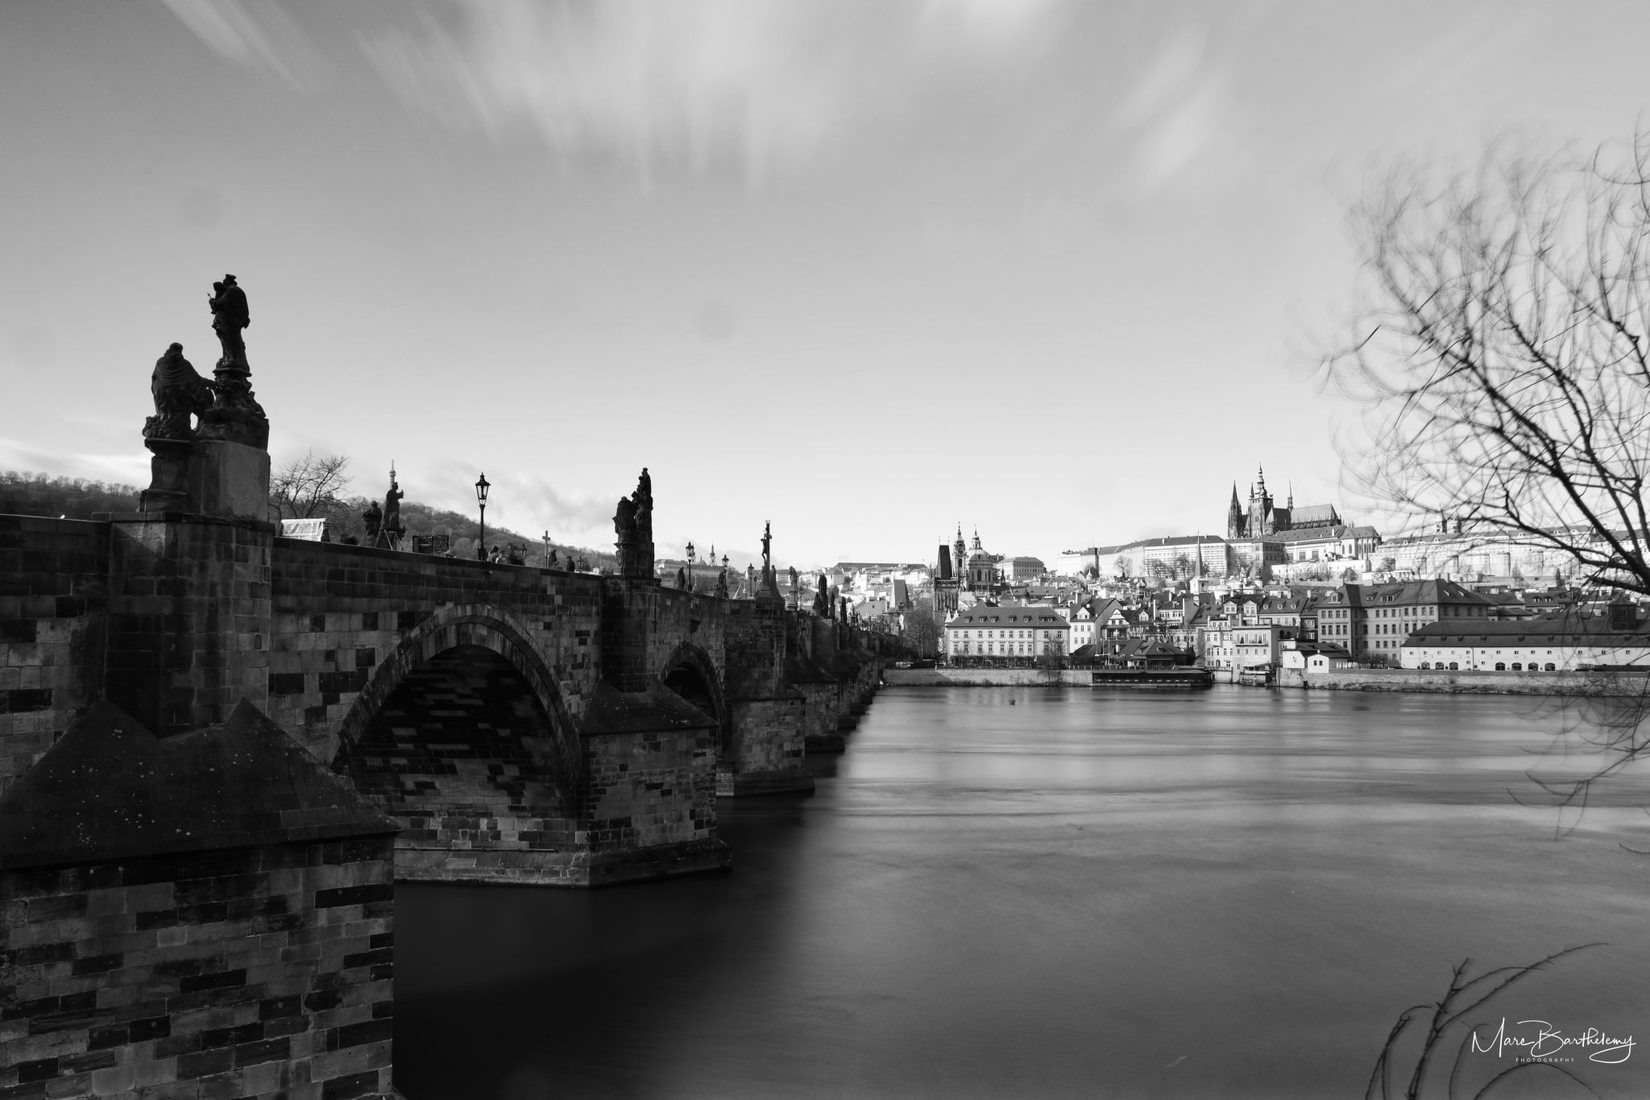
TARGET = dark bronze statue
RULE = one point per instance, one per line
(392, 527)
(230, 315)
(179, 393)
(633, 524)
(372, 519)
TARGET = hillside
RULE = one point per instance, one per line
(36, 494)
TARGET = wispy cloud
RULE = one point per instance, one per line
(756, 89)
(258, 35)
(1173, 110)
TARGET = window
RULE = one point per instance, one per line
(1551, 667)
(1454, 666)
(1500, 666)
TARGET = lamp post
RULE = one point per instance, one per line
(481, 499)
(690, 566)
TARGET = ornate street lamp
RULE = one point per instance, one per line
(690, 566)
(481, 499)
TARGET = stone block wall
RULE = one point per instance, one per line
(255, 972)
(765, 750)
(820, 705)
(679, 616)
(53, 593)
(189, 613)
(461, 756)
(339, 612)
(769, 749)
(634, 780)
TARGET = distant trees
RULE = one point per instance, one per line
(921, 632)
(308, 487)
(35, 494)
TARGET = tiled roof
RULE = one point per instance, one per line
(1042, 618)
(1558, 630)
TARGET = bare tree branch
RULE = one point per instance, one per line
(309, 486)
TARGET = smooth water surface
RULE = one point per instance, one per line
(1037, 892)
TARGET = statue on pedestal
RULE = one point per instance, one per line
(236, 416)
(179, 393)
(230, 315)
(633, 524)
(391, 528)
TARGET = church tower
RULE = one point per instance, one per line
(1260, 508)
(1234, 516)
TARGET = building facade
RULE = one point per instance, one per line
(1015, 633)
(1559, 644)
(1372, 621)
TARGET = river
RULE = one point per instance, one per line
(1045, 892)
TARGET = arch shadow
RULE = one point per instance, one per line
(689, 672)
(489, 628)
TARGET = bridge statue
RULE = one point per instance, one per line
(633, 524)
(236, 416)
(179, 393)
(372, 519)
(391, 528)
(230, 315)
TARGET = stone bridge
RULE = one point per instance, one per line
(519, 724)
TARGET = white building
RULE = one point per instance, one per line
(1559, 644)
(1012, 631)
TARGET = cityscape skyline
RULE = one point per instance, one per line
(808, 262)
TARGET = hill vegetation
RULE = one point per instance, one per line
(34, 494)
(37, 494)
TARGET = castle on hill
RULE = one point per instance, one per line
(1263, 517)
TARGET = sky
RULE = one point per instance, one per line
(1058, 272)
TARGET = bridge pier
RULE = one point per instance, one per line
(764, 749)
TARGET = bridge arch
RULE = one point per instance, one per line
(690, 673)
(454, 628)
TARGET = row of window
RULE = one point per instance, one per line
(1500, 666)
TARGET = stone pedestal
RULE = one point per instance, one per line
(189, 593)
(230, 479)
(189, 616)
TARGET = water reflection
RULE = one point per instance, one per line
(1069, 894)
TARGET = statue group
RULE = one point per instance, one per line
(222, 408)
(384, 526)
(633, 524)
